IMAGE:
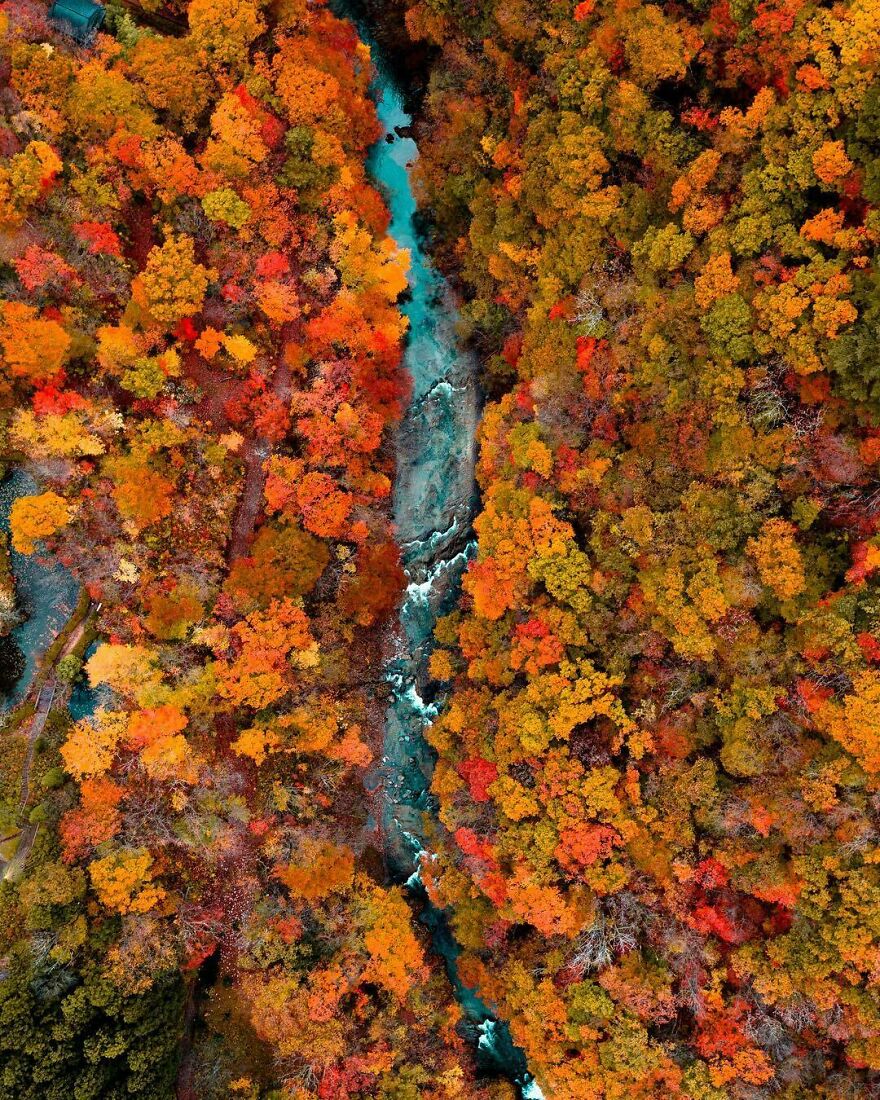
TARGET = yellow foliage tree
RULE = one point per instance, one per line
(240, 348)
(123, 881)
(778, 558)
(91, 745)
(23, 180)
(173, 284)
(169, 758)
(130, 670)
(256, 743)
(396, 957)
(365, 265)
(855, 721)
(57, 435)
(224, 29)
(37, 517)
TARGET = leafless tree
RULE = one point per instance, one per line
(615, 931)
(589, 313)
(193, 221)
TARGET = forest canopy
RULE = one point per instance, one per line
(658, 766)
(651, 831)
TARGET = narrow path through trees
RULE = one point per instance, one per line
(45, 700)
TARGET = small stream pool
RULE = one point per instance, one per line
(47, 594)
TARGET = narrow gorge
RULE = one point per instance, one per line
(434, 503)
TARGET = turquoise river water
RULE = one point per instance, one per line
(434, 504)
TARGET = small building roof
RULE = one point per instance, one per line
(82, 15)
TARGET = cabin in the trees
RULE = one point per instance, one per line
(81, 17)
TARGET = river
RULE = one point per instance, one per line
(434, 504)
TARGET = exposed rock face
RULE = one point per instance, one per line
(8, 610)
(410, 62)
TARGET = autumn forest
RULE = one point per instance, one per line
(440, 550)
